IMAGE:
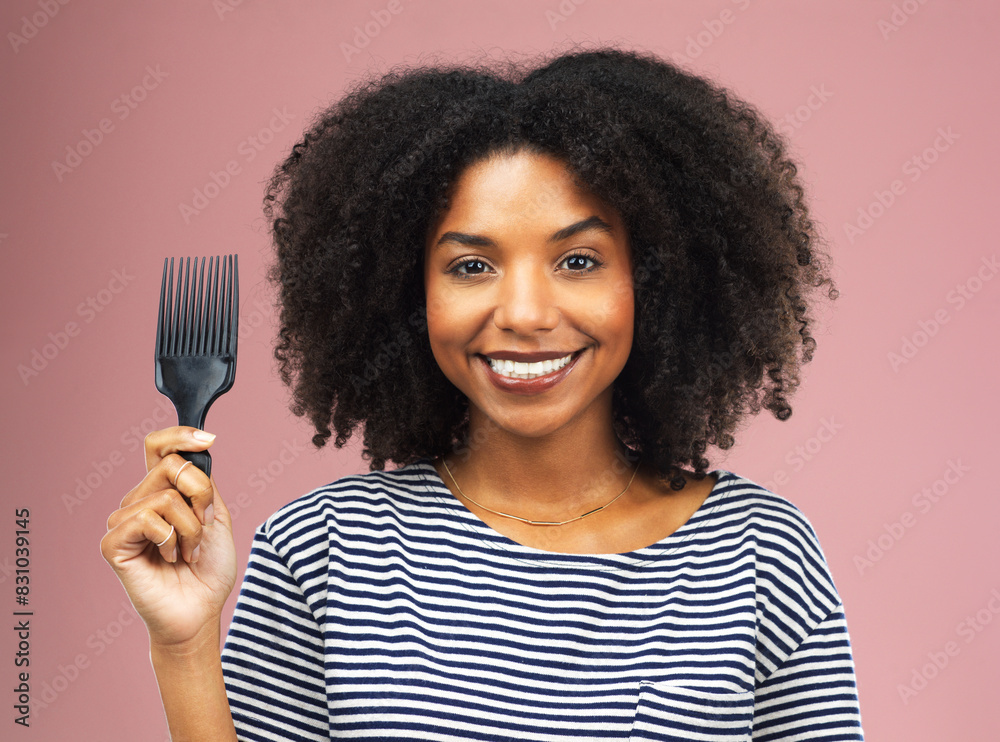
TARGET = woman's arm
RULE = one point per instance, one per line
(192, 689)
(171, 545)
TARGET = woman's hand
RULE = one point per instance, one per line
(180, 587)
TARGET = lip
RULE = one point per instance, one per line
(529, 386)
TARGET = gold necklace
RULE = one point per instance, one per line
(540, 522)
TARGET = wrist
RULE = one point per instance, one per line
(193, 687)
(206, 642)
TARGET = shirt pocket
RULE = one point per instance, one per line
(676, 713)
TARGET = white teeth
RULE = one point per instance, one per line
(515, 370)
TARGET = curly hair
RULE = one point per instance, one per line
(724, 251)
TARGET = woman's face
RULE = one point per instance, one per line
(523, 264)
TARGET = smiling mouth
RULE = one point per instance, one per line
(517, 370)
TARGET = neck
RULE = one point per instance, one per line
(548, 477)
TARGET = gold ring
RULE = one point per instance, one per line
(168, 535)
(179, 472)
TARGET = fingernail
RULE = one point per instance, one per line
(195, 553)
(201, 435)
(173, 555)
(210, 514)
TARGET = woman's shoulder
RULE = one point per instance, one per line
(352, 493)
(740, 498)
(785, 544)
(740, 509)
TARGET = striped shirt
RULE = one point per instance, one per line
(379, 607)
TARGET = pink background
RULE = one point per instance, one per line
(883, 80)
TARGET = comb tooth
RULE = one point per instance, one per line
(225, 303)
(199, 316)
(171, 321)
(183, 325)
(179, 309)
(213, 306)
(160, 313)
(231, 304)
(189, 292)
(192, 323)
(192, 314)
(192, 319)
(236, 306)
(175, 308)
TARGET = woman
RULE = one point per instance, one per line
(541, 291)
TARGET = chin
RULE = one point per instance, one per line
(532, 424)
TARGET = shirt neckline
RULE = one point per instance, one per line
(493, 539)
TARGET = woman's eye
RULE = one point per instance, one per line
(578, 262)
(478, 265)
(468, 269)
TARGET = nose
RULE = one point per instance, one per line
(525, 304)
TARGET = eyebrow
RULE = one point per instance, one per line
(475, 240)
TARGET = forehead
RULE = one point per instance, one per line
(521, 190)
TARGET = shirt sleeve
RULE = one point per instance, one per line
(813, 694)
(273, 658)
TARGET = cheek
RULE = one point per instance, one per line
(435, 311)
(443, 301)
(447, 331)
(626, 328)
(438, 333)
(440, 345)
(621, 323)
(612, 314)
(625, 297)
